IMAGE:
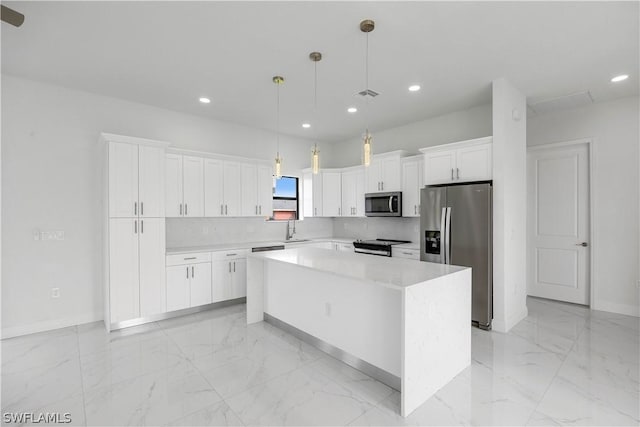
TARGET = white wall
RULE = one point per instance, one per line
(458, 126)
(613, 128)
(51, 180)
(509, 206)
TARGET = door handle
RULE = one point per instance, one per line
(226, 212)
(390, 203)
(260, 209)
(451, 173)
(382, 185)
(180, 209)
(234, 266)
(443, 231)
(457, 173)
(135, 227)
(315, 211)
(135, 208)
(141, 208)
(186, 209)
(221, 209)
(141, 226)
(583, 244)
(256, 212)
(193, 274)
(229, 267)
(187, 271)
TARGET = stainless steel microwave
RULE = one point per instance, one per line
(383, 204)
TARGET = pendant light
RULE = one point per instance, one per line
(366, 27)
(315, 153)
(278, 80)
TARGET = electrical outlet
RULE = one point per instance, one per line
(51, 235)
(327, 309)
(55, 292)
(36, 234)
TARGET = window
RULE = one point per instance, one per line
(285, 198)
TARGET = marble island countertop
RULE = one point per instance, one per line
(396, 273)
(249, 245)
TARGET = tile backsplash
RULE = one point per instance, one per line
(186, 232)
(378, 228)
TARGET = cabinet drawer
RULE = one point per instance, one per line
(181, 259)
(232, 254)
(406, 253)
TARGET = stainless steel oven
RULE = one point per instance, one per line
(383, 204)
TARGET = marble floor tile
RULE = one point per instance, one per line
(94, 338)
(218, 414)
(300, 397)
(38, 350)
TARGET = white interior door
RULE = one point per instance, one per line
(152, 265)
(558, 223)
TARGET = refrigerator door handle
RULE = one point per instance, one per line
(443, 231)
(447, 236)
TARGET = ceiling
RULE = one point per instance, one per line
(168, 54)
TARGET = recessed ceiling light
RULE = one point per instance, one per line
(205, 100)
(414, 88)
(620, 78)
(306, 125)
(352, 109)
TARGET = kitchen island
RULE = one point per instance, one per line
(404, 322)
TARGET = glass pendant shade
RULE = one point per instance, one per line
(315, 160)
(278, 166)
(366, 149)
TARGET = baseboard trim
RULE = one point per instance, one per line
(49, 325)
(626, 309)
(356, 363)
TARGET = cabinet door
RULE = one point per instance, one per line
(152, 266)
(221, 280)
(239, 278)
(373, 177)
(173, 185)
(331, 194)
(439, 167)
(200, 284)
(474, 163)
(213, 188)
(151, 185)
(411, 188)
(348, 193)
(232, 189)
(178, 287)
(390, 174)
(265, 191)
(124, 286)
(193, 186)
(249, 192)
(123, 180)
(359, 192)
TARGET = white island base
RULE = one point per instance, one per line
(403, 322)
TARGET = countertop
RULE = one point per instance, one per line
(249, 245)
(397, 273)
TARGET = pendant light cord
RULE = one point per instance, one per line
(366, 85)
(278, 119)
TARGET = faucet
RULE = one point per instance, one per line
(291, 232)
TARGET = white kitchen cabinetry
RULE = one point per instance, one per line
(383, 174)
(312, 193)
(341, 246)
(412, 182)
(221, 188)
(134, 236)
(353, 191)
(136, 180)
(463, 161)
(257, 190)
(229, 275)
(184, 186)
(408, 253)
(188, 280)
(331, 193)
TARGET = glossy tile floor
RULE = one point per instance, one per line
(561, 365)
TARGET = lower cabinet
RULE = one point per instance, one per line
(188, 281)
(405, 253)
(229, 275)
(344, 247)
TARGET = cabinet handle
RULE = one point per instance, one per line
(141, 208)
(193, 274)
(180, 209)
(315, 211)
(260, 209)
(229, 267)
(339, 211)
(457, 173)
(382, 185)
(451, 173)
(256, 209)
(221, 209)
(407, 253)
(191, 257)
(234, 266)
(186, 209)
(135, 227)
(187, 272)
(232, 254)
(135, 208)
(225, 210)
(141, 226)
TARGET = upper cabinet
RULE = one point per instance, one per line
(383, 174)
(331, 193)
(136, 179)
(184, 186)
(458, 162)
(412, 182)
(257, 190)
(312, 193)
(221, 188)
(353, 191)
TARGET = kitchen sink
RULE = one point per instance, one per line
(296, 240)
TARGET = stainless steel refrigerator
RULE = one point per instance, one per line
(456, 228)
